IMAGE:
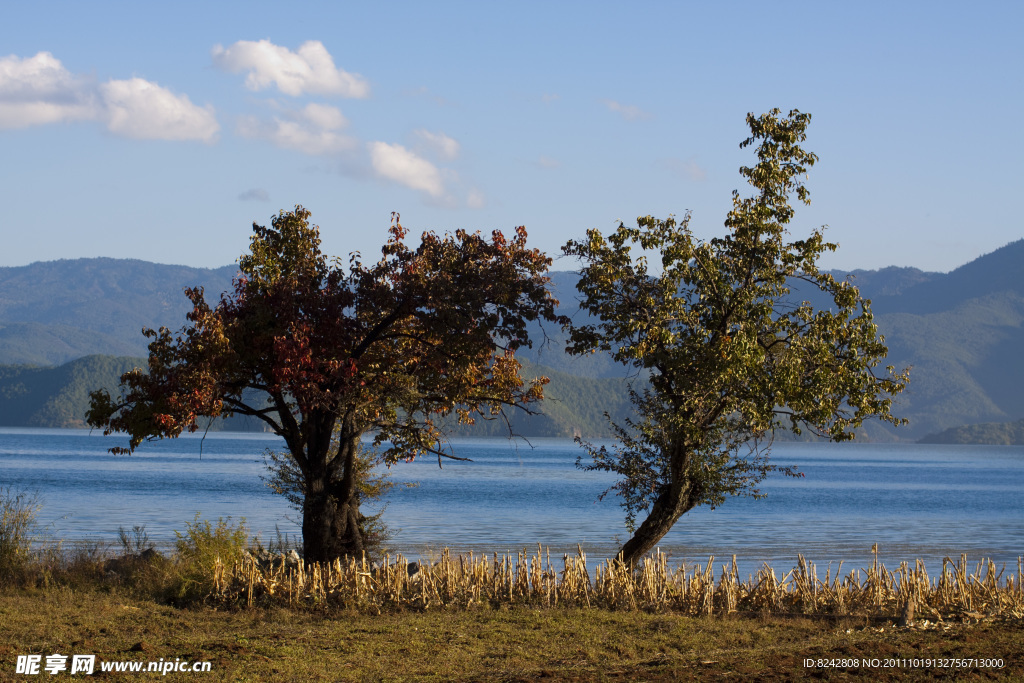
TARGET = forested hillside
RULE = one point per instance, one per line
(55, 311)
(33, 396)
(963, 333)
(994, 433)
(573, 406)
(960, 331)
(57, 396)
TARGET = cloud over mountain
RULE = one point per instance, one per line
(629, 112)
(39, 90)
(137, 108)
(438, 143)
(314, 129)
(395, 162)
(309, 70)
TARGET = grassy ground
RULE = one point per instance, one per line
(460, 619)
(484, 644)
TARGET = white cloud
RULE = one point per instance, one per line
(548, 162)
(627, 111)
(476, 199)
(316, 130)
(255, 195)
(324, 116)
(444, 147)
(137, 108)
(311, 130)
(39, 90)
(396, 163)
(689, 169)
(310, 70)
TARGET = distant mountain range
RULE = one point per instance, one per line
(56, 311)
(962, 332)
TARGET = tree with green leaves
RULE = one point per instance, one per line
(325, 354)
(731, 354)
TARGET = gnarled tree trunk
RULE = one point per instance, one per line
(330, 513)
(678, 497)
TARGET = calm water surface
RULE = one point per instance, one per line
(913, 500)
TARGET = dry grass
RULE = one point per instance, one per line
(959, 591)
(17, 527)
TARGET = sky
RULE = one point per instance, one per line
(162, 131)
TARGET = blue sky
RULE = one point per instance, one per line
(162, 131)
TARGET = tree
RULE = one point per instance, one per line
(730, 353)
(325, 355)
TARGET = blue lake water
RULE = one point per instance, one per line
(914, 501)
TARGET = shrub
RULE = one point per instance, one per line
(200, 548)
(17, 528)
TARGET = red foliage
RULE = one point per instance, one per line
(306, 345)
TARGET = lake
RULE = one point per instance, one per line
(914, 501)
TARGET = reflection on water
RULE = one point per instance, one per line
(914, 501)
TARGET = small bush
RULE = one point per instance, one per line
(79, 566)
(199, 549)
(140, 568)
(17, 528)
(136, 542)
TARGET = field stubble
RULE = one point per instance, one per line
(960, 591)
(517, 618)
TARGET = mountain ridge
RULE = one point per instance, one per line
(960, 331)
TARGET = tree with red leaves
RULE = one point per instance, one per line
(325, 354)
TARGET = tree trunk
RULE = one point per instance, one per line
(664, 514)
(678, 498)
(330, 514)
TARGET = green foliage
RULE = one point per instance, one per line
(731, 358)
(17, 529)
(201, 547)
